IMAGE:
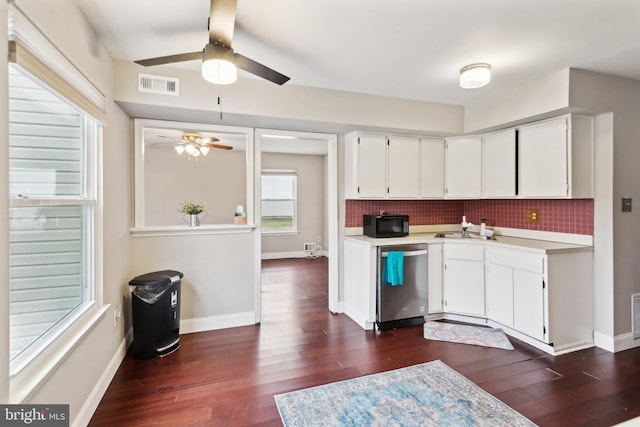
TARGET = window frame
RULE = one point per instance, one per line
(25, 368)
(140, 228)
(280, 172)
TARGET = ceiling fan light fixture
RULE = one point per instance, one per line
(475, 75)
(179, 148)
(218, 65)
(192, 150)
(204, 150)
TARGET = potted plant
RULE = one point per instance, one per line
(193, 209)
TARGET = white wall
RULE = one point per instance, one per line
(218, 273)
(268, 105)
(311, 201)
(602, 93)
(219, 180)
(540, 98)
(87, 362)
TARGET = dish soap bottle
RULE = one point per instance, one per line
(483, 226)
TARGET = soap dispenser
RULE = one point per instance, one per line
(483, 227)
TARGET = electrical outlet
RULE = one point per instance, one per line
(309, 247)
(117, 314)
(626, 204)
(532, 215)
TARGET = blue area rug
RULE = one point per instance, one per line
(467, 334)
(429, 394)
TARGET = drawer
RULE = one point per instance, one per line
(519, 260)
(462, 251)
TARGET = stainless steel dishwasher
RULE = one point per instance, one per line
(402, 304)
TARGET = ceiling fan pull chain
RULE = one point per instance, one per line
(220, 107)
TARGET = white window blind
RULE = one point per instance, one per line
(33, 51)
(51, 211)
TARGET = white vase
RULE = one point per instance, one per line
(194, 220)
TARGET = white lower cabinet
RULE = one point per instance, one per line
(499, 286)
(528, 304)
(464, 279)
(515, 290)
(543, 297)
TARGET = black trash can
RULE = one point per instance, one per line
(155, 303)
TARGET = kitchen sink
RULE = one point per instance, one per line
(464, 236)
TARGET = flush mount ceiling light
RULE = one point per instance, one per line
(218, 65)
(475, 75)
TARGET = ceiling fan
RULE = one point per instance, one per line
(219, 61)
(194, 144)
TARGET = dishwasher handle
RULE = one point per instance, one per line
(407, 253)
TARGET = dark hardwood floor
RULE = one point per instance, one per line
(229, 377)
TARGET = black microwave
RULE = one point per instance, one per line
(385, 225)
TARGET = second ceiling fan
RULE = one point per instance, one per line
(219, 61)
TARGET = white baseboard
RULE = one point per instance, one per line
(93, 400)
(605, 342)
(625, 342)
(211, 323)
(616, 343)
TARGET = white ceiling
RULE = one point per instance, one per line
(404, 48)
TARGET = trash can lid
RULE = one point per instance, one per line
(156, 278)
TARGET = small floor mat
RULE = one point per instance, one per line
(467, 334)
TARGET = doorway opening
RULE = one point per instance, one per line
(297, 211)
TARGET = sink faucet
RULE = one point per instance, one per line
(465, 227)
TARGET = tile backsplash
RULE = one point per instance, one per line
(573, 216)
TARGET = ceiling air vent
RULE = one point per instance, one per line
(160, 85)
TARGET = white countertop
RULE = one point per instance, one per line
(544, 246)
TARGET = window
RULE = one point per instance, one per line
(52, 148)
(279, 201)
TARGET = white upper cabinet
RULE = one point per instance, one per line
(463, 167)
(366, 166)
(378, 166)
(555, 158)
(499, 164)
(404, 167)
(432, 168)
(548, 159)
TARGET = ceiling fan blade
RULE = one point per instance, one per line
(224, 147)
(207, 140)
(181, 57)
(222, 20)
(260, 70)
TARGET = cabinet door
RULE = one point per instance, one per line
(499, 285)
(432, 168)
(464, 167)
(372, 166)
(528, 304)
(435, 278)
(499, 164)
(542, 159)
(404, 167)
(464, 287)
